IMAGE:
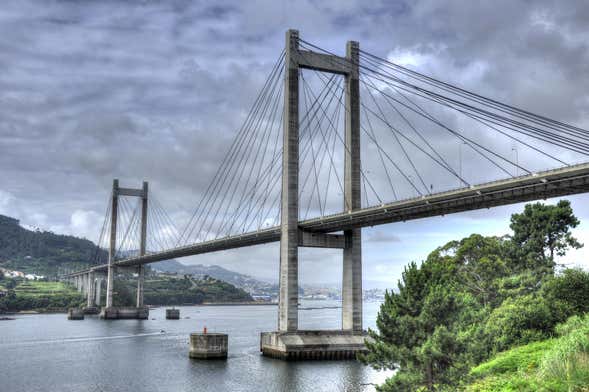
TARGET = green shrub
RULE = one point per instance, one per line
(571, 289)
(557, 364)
(567, 362)
(519, 321)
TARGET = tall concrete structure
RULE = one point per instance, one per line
(352, 267)
(98, 295)
(139, 311)
(142, 246)
(288, 342)
(91, 290)
(289, 223)
(112, 249)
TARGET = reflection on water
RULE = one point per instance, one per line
(48, 352)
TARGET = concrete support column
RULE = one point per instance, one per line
(142, 246)
(113, 243)
(91, 290)
(352, 265)
(288, 299)
(98, 290)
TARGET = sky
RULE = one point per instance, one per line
(156, 91)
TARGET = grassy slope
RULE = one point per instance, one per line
(42, 296)
(559, 364)
(43, 289)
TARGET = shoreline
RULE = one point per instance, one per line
(219, 304)
(63, 311)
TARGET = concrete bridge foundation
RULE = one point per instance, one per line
(124, 312)
(311, 345)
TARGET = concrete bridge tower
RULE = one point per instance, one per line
(290, 342)
(139, 311)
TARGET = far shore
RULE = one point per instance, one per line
(57, 311)
(224, 304)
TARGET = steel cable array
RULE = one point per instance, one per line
(413, 128)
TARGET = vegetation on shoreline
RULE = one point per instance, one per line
(556, 364)
(475, 298)
(163, 290)
(39, 296)
(23, 295)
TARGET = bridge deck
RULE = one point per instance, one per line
(552, 183)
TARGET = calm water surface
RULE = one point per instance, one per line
(50, 353)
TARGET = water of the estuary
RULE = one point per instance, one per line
(46, 352)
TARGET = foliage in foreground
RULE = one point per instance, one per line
(559, 364)
(474, 298)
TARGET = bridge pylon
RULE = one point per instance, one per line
(139, 311)
(290, 342)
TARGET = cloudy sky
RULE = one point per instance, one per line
(156, 90)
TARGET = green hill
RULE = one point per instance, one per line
(182, 290)
(43, 252)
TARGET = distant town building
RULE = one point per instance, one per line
(20, 274)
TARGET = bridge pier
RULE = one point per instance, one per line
(90, 292)
(98, 292)
(289, 342)
(82, 284)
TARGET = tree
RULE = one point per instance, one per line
(571, 289)
(414, 327)
(480, 261)
(476, 296)
(543, 231)
(519, 321)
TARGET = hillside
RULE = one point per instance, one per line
(42, 252)
(49, 254)
(23, 295)
(237, 279)
(185, 290)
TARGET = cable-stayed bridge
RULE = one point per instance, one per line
(313, 164)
